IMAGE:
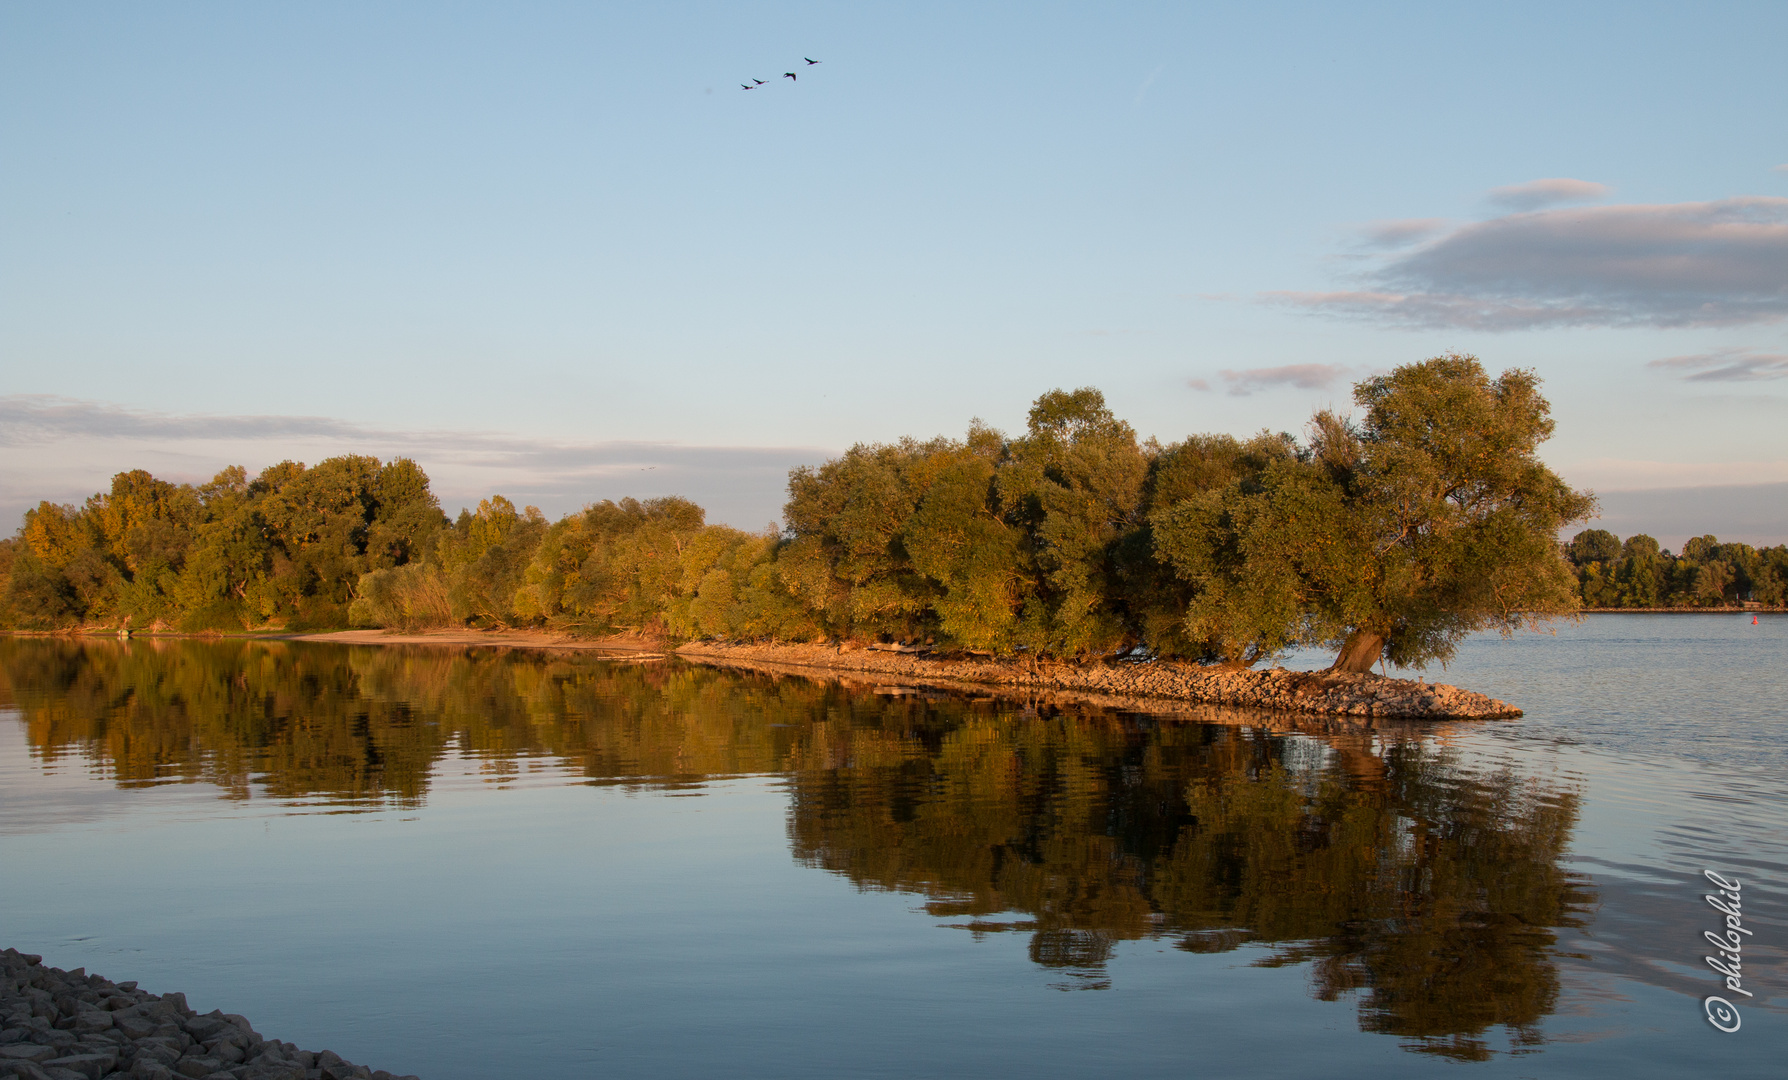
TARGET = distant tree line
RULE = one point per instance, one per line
(1640, 574)
(1390, 536)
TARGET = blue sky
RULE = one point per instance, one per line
(556, 251)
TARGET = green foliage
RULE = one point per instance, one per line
(1638, 574)
(1268, 560)
(1458, 512)
(484, 558)
(848, 559)
(976, 555)
(285, 549)
(409, 597)
(1396, 534)
(1075, 484)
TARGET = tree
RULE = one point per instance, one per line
(1398, 535)
(978, 557)
(485, 557)
(1595, 553)
(1643, 573)
(1594, 545)
(1231, 560)
(1455, 513)
(1075, 482)
(1270, 560)
(847, 558)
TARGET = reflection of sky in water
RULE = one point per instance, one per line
(517, 915)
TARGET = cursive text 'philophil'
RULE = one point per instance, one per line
(1721, 1013)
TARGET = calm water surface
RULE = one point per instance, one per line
(473, 864)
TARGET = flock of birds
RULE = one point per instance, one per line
(755, 83)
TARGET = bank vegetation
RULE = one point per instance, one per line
(1389, 534)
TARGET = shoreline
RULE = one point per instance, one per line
(1155, 686)
(1682, 610)
(69, 1025)
(1137, 686)
(507, 639)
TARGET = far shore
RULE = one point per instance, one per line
(1683, 610)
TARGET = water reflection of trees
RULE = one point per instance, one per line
(1398, 875)
(368, 725)
(1394, 872)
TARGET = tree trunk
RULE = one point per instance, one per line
(1360, 651)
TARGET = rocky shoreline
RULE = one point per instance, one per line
(1324, 693)
(69, 1025)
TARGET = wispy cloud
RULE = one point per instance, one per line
(1302, 376)
(1143, 90)
(1554, 191)
(1632, 474)
(1683, 264)
(63, 449)
(36, 418)
(1400, 232)
(1727, 365)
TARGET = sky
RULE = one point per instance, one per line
(556, 251)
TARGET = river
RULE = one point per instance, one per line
(470, 863)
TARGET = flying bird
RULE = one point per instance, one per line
(789, 75)
(810, 63)
(746, 86)
(759, 82)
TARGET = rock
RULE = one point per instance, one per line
(135, 1027)
(1145, 684)
(152, 1050)
(226, 1051)
(26, 1052)
(197, 1067)
(61, 1025)
(334, 1067)
(240, 1023)
(91, 1066)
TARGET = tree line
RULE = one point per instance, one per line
(1640, 574)
(1391, 535)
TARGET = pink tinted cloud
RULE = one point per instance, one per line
(1553, 191)
(1717, 263)
(1727, 365)
(1302, 376)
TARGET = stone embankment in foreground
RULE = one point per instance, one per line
(1319, 692)
(68, 1025)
